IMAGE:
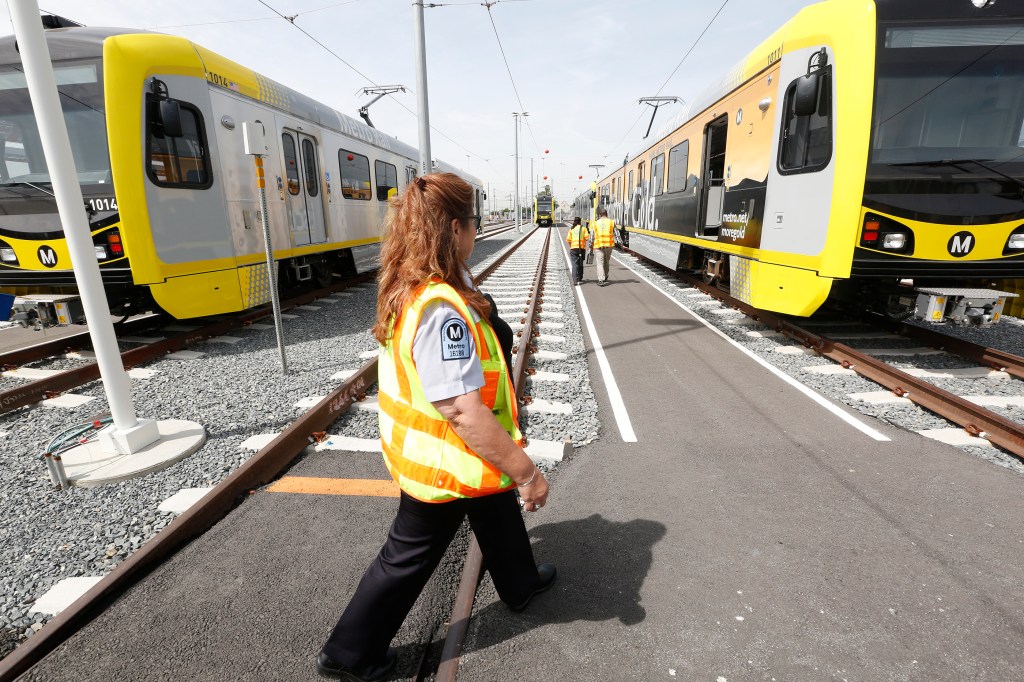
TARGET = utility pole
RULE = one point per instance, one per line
(426, 166)
(519, 219)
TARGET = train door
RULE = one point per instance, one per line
(713, 194)
(302, 173)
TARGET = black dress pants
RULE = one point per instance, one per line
(419, 536)
(577, 264)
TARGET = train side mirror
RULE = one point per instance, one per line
(485, 196)
(169, 114)
(805, 98)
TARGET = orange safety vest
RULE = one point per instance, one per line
(578, 237)
(604, 230)
(427, 459)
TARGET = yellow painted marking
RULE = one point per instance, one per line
(261, 183)
(259, 161)
(363, 487)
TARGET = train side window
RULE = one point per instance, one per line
(678, 161)
(355, 175)
(806, 145)
(658, 175)
(387, 178)
(629, 197)
(183, 161)
(309, 165)
(291, 163)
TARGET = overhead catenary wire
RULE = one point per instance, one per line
(508, 68)
(688, 52)
(334, 54)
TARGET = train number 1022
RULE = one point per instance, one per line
(102, 204)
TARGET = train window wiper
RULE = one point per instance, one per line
(959, 163)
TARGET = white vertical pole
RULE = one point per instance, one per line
(53, 134)
(519, 226)
(426, 165)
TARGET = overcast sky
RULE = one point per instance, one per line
(579, 66)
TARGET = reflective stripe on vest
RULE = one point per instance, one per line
(578, 236)
(425, 456)
(604, 233)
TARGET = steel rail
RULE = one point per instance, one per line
(78, 341)
(34, 391)
(451, 651)
(991, 357)
(260, 469)
(974, 419)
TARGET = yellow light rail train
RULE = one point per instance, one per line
(868, 152)
(155, 123)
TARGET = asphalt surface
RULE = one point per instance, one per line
(750, 534)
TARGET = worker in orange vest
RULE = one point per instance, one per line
(604, 240)
(449, 428)
(578, 236)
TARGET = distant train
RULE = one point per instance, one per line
(544, 209)
(155, 123)
(868, 152)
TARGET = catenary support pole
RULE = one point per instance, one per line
(426, 164)
(129, 434)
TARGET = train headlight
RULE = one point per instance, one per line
(1015, 242)
(894, 242)
(101, 253)
(7, 255)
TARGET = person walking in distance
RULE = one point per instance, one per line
(604, 240)
(449, 427)
(578, 236)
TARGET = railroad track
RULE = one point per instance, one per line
(268, 463)
(51, 386)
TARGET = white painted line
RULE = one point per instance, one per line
(551, 325)
(229, 340)
(180, 501)
(142, 373)
(68, 401)
(257, 442)
(260, 326)
(343, 375)
(614, 395)
(548, 407)
(745, 322)
(349, 444)
(772, 334)
(289, 316)
(549, 355)
(184, 355)
(551, 338)
(880, 398)
(80, 355)
(551, 313)
(732, 312)
(813, 395)
(369, 354)
(31, 373)
(63, 594)
(549, 376)
(955, 436)
(308, 307)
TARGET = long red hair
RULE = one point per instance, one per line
(420, 245)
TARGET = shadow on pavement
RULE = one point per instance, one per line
(601, 564)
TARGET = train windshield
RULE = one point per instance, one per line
(947, 134)
(23, 170)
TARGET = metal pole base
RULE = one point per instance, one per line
(92, 464)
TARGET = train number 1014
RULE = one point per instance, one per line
(102, 204)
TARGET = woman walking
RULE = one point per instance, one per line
(449, 428)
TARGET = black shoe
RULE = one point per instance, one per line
(547, 574)
(328, 667)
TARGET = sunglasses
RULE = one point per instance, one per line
(473, 222)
